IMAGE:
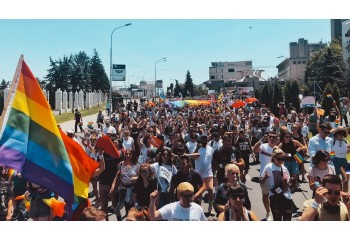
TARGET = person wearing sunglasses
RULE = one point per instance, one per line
(183, 210)
(145, 184)
(236, 210)
(276, 175)
(321, 141)
(327, 204)
(319, 170)
(340, 148)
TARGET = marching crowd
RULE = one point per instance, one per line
(172, 159)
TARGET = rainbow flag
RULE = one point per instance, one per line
(82, 165)
(30, 141)
(56, 206)
(297, 157)
(220, 97)
(336, 122)
(332, 154)
(162, 97)
(329, 95)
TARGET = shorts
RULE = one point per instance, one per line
(339, 162)
(292, 167)
(39, 209)
(246, 161)
(265, 189)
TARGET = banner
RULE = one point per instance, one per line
(118, 72)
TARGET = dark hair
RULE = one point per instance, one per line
(160, 159)
(283, 134)
(320, 154)
(235, 190)
(141, 213)
(149, 168)
(331, 178)
(326, 126)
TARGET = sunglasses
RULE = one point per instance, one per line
(128, 154)
(190, 195)
(272, 137)
(326, 132)
(336, 192)
(144, 171)
(287, 137)
(325, 160)
(280, 159)
(235, 196)
(165, 155)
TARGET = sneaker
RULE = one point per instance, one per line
(269, 216)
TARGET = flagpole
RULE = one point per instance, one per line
(10, 95)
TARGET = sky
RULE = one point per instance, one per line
(187, 44)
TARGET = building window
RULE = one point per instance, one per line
(294, 62)
(303, 62)
(299, 62)
(222, 70)
(231, 70)
(222, 76)
(212, 77)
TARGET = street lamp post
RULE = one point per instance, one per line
(155, 73)
(111, 68)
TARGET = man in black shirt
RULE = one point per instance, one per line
(186, 174)
(78, 118)
(225, 155)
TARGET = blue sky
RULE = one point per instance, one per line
(187, 44)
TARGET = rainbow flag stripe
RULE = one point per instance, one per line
(332, 154)
(297, 157)
(30, 140)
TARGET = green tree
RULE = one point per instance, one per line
(327, 66)
(81, 76)
(98, 77)
(188, 86)
(3, 84)
(266, 94)
(287, 93)
(177, 89)
(277, 97)
(294, 92)
(327, 100)
(336, 94)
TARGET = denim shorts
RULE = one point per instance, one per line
(339, 162)
(292, 167)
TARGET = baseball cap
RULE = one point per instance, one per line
(185, 186)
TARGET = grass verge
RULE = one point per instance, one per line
(64, 117)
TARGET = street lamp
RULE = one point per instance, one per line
(155, 73)
(110, 74)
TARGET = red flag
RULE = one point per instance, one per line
(106, 144)
(156, 141)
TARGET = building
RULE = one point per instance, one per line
(346, 41)
(293, 68)
(336, 29)
(223, 72)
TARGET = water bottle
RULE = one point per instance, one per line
(317, 185)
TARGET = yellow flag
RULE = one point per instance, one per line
(220, 97)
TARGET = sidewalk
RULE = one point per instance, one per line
(90, 118)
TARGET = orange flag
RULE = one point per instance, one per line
(106, 144)
(156, 141)
(82, 165)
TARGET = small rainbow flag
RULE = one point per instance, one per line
(329, 95)
(332, 154)
(336, 122)
(297, 157)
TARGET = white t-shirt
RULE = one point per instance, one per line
(203, 163)
(275, 178)
(110, 130)
(340, 148)
(128, 143)
(191, 146)
(164, 174)
(174, 212)
(265, 150)
(215, 144)
(318, 174)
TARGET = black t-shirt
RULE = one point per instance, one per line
(224, 157)
(77, 116)
(142, 192)
(193, 177)
(243, 145)
(108, 175)
(221, 197)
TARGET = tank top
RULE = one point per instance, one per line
(289, 148)
(228, 213)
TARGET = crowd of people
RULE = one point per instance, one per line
(172, 159)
